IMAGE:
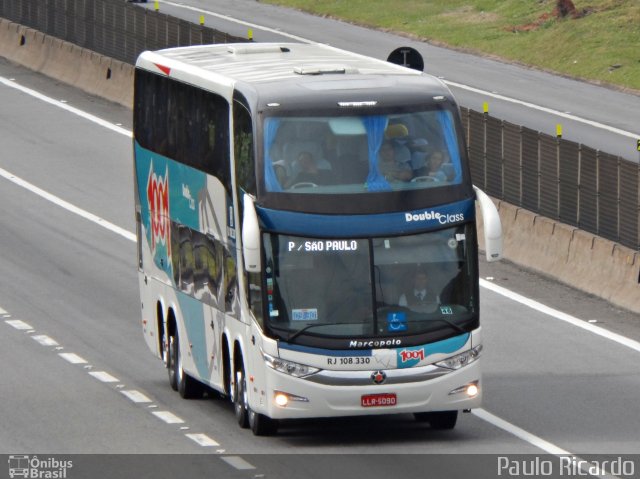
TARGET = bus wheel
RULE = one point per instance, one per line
(240, 400)
(186, 386)
(262, 425)
(172, 359)
(440, 420)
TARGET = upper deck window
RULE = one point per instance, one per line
(361, 154)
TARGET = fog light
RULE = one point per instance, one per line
(472, 390)
(281, 399)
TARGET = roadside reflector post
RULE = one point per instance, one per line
(201, 19)
(156, 5)
(485, 107)
(250, 35)
(559, 131)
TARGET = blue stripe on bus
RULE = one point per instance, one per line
(305, 224)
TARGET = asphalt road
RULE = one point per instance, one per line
(78, 378)
(598, 117)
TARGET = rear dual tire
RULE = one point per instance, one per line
(187, 387)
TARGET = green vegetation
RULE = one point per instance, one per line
(601, 43)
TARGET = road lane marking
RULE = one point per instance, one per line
(3, 312)
(67, 206)
(104, 377)
(544, 109)
(168, 417)
(238, 21)
(618, 338)
(202, 439)
(72, 358)
(18, 324)
(519, 432)
(238, 463)
(45, 340)
(479, 91)
(136, 396)
(64, 106)
(532, 439)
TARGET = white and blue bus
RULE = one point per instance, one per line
(307, 233)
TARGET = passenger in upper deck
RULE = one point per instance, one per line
(390, 167)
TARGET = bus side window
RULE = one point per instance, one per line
(243, 139)
(187, 260)
(230, 283)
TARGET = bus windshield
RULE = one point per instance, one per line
(360, 154)
(370, 287)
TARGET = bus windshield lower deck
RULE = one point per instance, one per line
(383, 286)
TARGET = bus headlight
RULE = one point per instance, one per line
(289, 367)
(462, 359)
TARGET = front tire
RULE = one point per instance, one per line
(262, 425)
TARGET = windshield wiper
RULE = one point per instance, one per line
(293, 336)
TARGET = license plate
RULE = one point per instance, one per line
(379, 400)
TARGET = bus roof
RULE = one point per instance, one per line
(284, 66)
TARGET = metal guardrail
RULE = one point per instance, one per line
(562, 180)
(556, 178)
(114, 28)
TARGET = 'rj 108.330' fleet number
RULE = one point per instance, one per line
(344, 361)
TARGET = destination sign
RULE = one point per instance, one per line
(322, 245)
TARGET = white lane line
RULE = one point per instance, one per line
(72, 358)
(3, 312)
(136, 396)
(238, 463)
(618, 338)
(551, 111)
(64, 106)
(238, 21)
(104, 377)
(532, 439)
(202, 439)
(18, 324)
(519, 432)
(67, 206)
(497, 96)
(45, 340)
(168, 417)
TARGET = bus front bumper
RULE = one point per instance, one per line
(417, 390)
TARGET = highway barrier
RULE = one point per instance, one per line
(568, 211)
(94, 73)
(113, 28)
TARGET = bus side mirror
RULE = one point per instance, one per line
(250, 236)
(492, 226)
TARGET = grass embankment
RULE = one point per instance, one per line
(601, 43)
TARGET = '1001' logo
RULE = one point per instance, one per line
(158, 198)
